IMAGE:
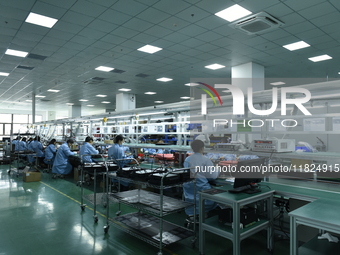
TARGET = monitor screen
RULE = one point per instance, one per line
(246, 178)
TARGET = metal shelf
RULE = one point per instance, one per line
(150, 202)
(144, 183)
(100, 199)
(146, 228)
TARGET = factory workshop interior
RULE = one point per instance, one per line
(169, 127)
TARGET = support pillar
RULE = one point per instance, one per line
(244, 76)
(74, 111)
(125, 101)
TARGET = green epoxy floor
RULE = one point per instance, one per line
(44, 217)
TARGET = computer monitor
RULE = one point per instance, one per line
(249, 178)
(6, 139)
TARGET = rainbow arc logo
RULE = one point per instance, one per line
(209, 93)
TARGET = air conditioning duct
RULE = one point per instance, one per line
(258, 23)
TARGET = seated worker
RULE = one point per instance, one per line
(61, 165)
(30, 146)
(22, 147)
(88, 149)
(202, 177)
(22, 144)
(15, 143)
(50, 152)
(117, 152)
(38, 149)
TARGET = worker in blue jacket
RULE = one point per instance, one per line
(61, 164)
(30, 147)
(50, 152)
(38, 149)
(199, 166)
(22, 144)
(88, 149)
(117, 152)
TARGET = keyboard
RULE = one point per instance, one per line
(252, 191)
(240, 189)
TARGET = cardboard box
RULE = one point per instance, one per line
(31, 176)
(108, 141)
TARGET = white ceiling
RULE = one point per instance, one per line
(91, 33)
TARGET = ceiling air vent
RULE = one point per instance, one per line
(94, 80)
(257, 24)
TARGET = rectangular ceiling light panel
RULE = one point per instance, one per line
(40, 20)
(16, 53)
(104, 68)
(296, 45)
(320, 58)
(149, 49)
(232, 13)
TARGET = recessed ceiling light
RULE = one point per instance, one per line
(149, 49)
(232, 13)
(159, 102)
(70, 103)
(150, 93)
(185, 97)
(53, 90)
(124, 89)
(164, 79)
(16, 53)
(106, 102)
(296, 46)
(90, 105)
(101, 95)
(320, 58)
(191, 84)
(83, 100)
(41, 20)
(4, 74)
(277, 83)
(40, 96)
(214, 66)
(104, 68)
(28, 100)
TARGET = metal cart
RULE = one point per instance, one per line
(15, 156)
(95, 169)
(147, 223)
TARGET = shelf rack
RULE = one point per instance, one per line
(148, 224)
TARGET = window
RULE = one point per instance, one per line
(20, 118)
(7, 129)
(38, 118)
(16, 128)
(6, 118)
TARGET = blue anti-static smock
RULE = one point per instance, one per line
(16, 144)
(117, 152)
(87, 149)
(38, 149)
(202, 178)
(22, 146)
(50, 153)
(61, 164)
(30, 147)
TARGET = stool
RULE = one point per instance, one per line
(190, 220)
(49, 166)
